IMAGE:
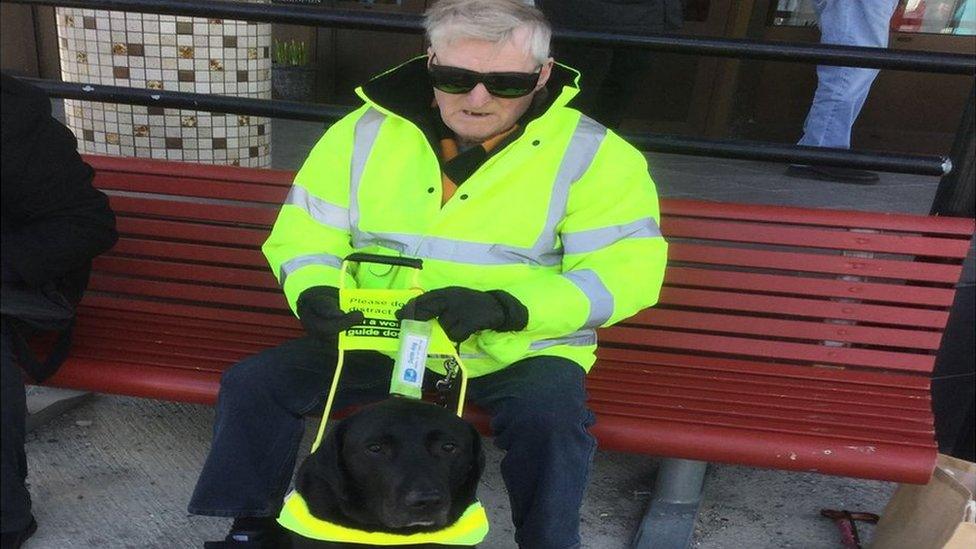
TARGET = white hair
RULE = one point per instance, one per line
(489, 20)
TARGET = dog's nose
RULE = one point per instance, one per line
(423, 499)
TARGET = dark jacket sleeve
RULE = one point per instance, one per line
(56, 221)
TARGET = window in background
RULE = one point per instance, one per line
(935, 17)
(792, 13)
(911, 16)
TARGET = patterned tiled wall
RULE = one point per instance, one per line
(165, 52)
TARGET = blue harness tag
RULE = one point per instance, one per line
(411, 358)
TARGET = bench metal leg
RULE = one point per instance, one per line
(670, 518)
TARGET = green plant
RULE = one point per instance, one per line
(290, 53)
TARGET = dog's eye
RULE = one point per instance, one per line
(374, 448)
(449, 447)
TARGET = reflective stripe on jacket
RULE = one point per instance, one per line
(564, 218)
(470, 529)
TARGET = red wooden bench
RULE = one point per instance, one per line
(788, 338)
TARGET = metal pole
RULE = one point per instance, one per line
(669, 522)
(819, 54)
(292, 110)
(680, 481)
(798, 154)
(955, 196)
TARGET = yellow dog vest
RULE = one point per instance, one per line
(470, 529)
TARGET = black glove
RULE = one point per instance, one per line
(318, 309)
(463, 311)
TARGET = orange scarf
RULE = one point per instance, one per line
(449, 150)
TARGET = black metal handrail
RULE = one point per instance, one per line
(880, 58)
(724, 148)
(292, 110)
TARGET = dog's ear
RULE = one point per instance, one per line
(325, 468)
(469, 488)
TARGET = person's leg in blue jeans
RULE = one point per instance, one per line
(259, 423)
(841, 91)
(540, 420)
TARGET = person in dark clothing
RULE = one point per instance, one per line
(54, 222)
(610, 77)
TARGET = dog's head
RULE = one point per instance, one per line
(401, 466)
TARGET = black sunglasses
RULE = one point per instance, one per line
(500, 84)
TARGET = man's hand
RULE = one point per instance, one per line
(463, 311)
(318, 309)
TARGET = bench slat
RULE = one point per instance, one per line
(771, 449)
(811, 287)
(111, 375)
(154, 334)
(234, 317)
(203, 253)
(768, 349)
(188, 170)
(179, 362)
(202, 294)
(782, 406)
(224, 213)
(770, 405)
(192, 272)
(200, 232)
(791, 329)
(164, 184)
(766, 233)
(643, 359)
(715, 415)
(799, 307)
(167, 322)
(803, 390)
(814, 263)
(133, 348)
(791, 215)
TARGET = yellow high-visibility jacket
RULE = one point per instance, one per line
(564, 218)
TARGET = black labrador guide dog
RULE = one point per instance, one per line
(400, 466)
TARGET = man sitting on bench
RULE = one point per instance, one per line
(536, 226)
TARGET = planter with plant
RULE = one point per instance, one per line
(291, 76)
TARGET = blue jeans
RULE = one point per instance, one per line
(537, 405)
(841, 91)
